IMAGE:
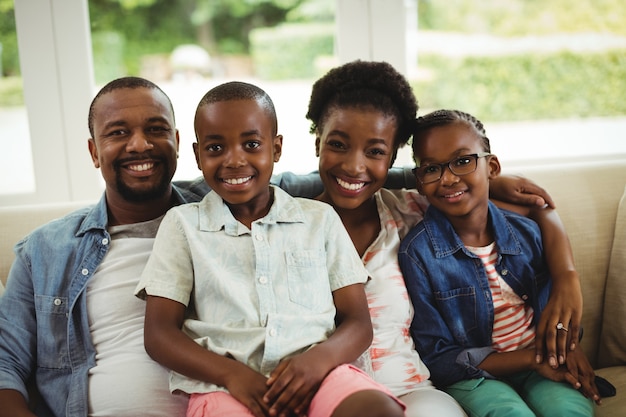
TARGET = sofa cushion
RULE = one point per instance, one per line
(612, 349)
(18, 221)
(613, 406)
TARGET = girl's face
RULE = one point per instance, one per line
(355, 147)
(456, 195)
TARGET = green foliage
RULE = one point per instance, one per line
(11, 93)
(524, 87)
(124, 31)
(521, 17)
(290, 50)
(9, 63)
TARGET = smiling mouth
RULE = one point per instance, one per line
(350, 186)
(141, 167)
(236, 181)
(453, 195)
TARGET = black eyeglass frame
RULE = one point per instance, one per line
(474, 156)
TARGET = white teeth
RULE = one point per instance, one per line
(142, 167)
(350, 186)
(236, 181)
(458, 193)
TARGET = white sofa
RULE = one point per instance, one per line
(591, 202)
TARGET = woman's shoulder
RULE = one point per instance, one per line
(406, 207)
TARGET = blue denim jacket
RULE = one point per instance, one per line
(43, 315)
(449, 289)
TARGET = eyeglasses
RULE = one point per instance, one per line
(461, 165)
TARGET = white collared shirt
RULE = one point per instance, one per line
(260, 295)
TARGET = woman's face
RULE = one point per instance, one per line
(355, 147)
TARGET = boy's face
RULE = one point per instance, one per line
(355, 149)
(236, 149)
(456, 195)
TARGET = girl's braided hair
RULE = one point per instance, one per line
(446, 117)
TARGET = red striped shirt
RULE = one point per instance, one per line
(512, 322)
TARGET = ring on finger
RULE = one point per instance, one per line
(560, 326)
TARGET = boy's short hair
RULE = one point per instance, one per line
(239, 90)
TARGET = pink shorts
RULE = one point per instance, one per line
(342, 382)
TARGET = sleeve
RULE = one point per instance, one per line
(18, 326)
(343, 262)
(447, 360)
(169, 272)
(307, 185)
(401, 177)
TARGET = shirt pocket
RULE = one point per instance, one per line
(459, 310)
(307, 278)
(52, 313)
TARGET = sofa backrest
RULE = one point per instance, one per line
(18, 221)
(587, 195)
(612, 350)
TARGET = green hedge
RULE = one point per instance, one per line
(521, 87)
(290, 51)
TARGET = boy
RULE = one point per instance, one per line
(477, 277)
(267, 277)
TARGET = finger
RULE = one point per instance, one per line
(590, 390)
(287, 400)
(276, 389)
(294, 399)
(303, 408)
(539, 339)
(277, 371)
(540, 195)
(550, 339)
(572, 368)
(574, 333)
(562, 336)
(257, 408)
(569, 378)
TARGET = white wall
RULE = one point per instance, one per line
(54, 42)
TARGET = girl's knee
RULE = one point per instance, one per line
(369, 403)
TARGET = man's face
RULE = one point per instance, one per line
(135, 143)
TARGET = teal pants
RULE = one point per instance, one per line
(526, 394)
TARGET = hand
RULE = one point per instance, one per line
(565, 306)
(518, 190)
(249, 387)
(578, 365)
(577, 372)
(293, 384)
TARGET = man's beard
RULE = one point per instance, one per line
(142, 195)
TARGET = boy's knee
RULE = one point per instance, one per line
(369, 403)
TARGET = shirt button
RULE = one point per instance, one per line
(272, 332)
(105, 241)
(263, 280)
(258, 237)
(504, 272)
(524, 297)
(57, 302)
(85, 271)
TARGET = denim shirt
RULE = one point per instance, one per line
(43, 314)
(449, 289)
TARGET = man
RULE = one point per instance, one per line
(68, 317)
